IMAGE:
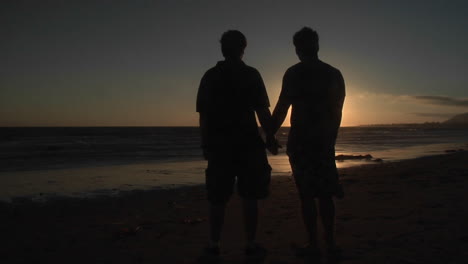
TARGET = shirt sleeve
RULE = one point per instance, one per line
(338, 91)
(261, 97)
(287, 92)
(202, 95)
(338, 94)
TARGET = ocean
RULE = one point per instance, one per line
(48, 161)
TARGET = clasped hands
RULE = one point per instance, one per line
(272, 144)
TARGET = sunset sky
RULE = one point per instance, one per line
(139, 63)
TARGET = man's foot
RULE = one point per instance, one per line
(334, 254)
(306, 251)
(210, 254)
(255, 251)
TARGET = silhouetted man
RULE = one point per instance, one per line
(229, 96)
(316, 92)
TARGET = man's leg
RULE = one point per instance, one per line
(250, 219)
(327, 215)
(212, 251)
(252, 249)
(308, 206)
(216, 222)
(309, 216)
(219, 186)
(252, 184)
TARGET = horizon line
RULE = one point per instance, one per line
(122, 126)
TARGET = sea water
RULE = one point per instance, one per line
(77, 161)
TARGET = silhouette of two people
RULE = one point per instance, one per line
(229, 97)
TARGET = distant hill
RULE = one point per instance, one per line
(461, 119)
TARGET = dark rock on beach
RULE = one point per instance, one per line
(353, 157)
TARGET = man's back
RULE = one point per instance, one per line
(228, 95)
(316, 92)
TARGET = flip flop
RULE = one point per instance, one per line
(306, 251)
(256, 251)
(210, 255)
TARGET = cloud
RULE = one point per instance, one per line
(441, 100)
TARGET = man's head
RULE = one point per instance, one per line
(233, 43)
(306, 43)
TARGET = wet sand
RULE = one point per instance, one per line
(413, 211)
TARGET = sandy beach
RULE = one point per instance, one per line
(412, 211)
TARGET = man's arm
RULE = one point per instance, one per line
(261, 106)
(264, 116)
(338, 97)
(201, 105)
(284, 102)
(279, 114)
(204, 134)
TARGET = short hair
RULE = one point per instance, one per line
(233, 43)
(306, 41)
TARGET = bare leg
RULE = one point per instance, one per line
(250, 219)
(327, 214)
(216, 221)
(309, 216)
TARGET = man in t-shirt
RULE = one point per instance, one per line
(228, 97)
(316, 92)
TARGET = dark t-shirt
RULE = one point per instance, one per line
(228, 95)
(316, 92)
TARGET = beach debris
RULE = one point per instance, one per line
(193, 221)
(342, 157)
(453, 150)
(146, 224)
(464, 239)
(367, 157)
(164, 172)
(125, 232)
(161, 234)
(175, 205)
(54, 148)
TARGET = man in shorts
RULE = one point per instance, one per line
(316, 92)
(229, 96)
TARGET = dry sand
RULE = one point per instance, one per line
(412, 211)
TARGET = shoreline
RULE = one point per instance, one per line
(412, 211)
(113, 179)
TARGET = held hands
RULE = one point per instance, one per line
(272, 144)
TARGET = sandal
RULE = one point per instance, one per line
(210, 255)
(307, 250)
(335, 253)
(255, 251)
